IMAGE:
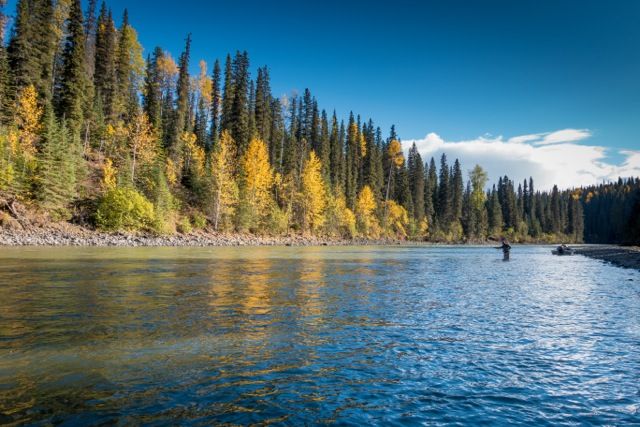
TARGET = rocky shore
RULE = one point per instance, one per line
(628, 257)
(70, 235)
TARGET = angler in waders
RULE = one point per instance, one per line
(506, 249)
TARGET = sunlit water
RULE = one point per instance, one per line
(314, 335)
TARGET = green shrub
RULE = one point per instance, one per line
(184, 226)
(124, 209)
(198, 220)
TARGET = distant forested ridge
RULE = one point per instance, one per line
(94, 133)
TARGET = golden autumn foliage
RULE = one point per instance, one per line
(194, 156)
(395, 153)
(109, 173)
(141, 142)
(205, 85)
(223, 185)
(256, 182)
(313, 194)
(340, 221)
(363, 145)
(365, 213)
(171, 172)
(257, 175)
(397, 219)
(27, 118)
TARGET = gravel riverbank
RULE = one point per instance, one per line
(69, 235)
(628, 257)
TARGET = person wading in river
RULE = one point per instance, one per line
(506, 249)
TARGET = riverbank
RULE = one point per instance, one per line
(627, 257)
(64, 234)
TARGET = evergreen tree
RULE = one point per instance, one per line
(152, 94)
(240, 107)
(105, 64)
(444, 208)
(216, 101)
(228, 97)
(431, 193)
(180, 120)
(57, 171)
(457, 190)
(417, 182)
(263, 105)
(496, 223)
(70, 98)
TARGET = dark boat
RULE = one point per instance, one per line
(563, 251)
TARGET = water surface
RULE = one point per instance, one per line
(316, 335)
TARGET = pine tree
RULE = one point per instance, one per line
(57, 172)
(216, 101)
(180, 122)
(105, 63)
(90, 30)
(263, 105)
(430, 192)
(457, 189)
(70, 98)
(152, 94)
(240, 107)
(31, 48)
(416, 182)
(337, 152)
(325, 147)
(444, 207)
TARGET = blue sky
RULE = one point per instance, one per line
(463, 70)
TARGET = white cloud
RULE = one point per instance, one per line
(550, 158)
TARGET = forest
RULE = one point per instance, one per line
(95, 132)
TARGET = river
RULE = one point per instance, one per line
(388, 335)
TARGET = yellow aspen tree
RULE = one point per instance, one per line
(204, 83)
(27, 119)
(194, 156)
(313, 194)
(398, 219)
(109, 173)
(257, 175)
(225, 188)
(340, 220)
(365, 208)
(142, 143)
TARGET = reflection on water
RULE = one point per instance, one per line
(299, 336)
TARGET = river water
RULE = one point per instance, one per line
(393, 335)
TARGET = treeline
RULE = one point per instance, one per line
(612, 212)
(95, 133)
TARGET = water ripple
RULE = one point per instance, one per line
(397, 336)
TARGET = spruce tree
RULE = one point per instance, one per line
(57, 172)
(240, 108)
(152, 94)
(70, 98)
(416, 182)
(105, 65)
(431, 193)
(216, 101)
(263, 105)
(457, 190)
(444, 208)
(180, 119)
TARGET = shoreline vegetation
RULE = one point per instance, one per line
(96, 134)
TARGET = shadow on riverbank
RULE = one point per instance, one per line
(627, 257)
